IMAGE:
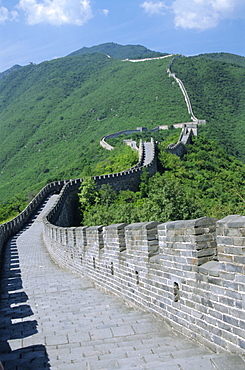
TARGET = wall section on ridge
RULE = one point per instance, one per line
(10, 228)
(63, 211)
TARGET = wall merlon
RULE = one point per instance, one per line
(114, 237)
(94, 236)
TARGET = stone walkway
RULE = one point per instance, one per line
(51, 318)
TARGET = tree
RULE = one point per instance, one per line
(88, 194)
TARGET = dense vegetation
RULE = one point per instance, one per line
(225, 57)
(207, 182)
(217, 93)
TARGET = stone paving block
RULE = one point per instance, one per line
(136, 362)
(112, 356)
(151, 358)
(109, 341)
(162, 350)
(66, 347)
(189, 353)
(56, 339)
(133, 343)
(32, 340)
(15, 344)
(229, 362)
(158, 365)
(122, 331)
(196, 363)
(81, 366)
(96, 334)
(78, 337)
(111, 364)
(141, 353)
(74, 357)
(90, 352)
(106, 326)
(146, 327)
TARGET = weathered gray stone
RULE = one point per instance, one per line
(208, 280)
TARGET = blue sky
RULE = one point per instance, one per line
(39, 30)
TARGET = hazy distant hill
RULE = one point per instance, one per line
(10, 70)
(119, 51)
(224, 57)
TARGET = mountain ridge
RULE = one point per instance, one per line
(5, 73)
(53, 114)
(128, 51)
(118, 51)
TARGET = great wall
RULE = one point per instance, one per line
(191, 273)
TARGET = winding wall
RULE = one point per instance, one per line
(63, 212)
(192, 272)
(11, 227)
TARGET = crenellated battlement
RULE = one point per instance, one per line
(189, 272)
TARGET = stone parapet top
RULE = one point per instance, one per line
(183, 224)
(210, 268)
(140, 225)
(232, 221)
(119, 226)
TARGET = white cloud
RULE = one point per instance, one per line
(201, 14)
(56, 12)
(6, 15)
(154, 7)
(198, 14)
(105, 11)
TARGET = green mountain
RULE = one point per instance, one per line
(119, 51)
(52, 115)
(225, 57)
(217, 92)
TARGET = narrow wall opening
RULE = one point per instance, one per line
(137, 277)
(112, 269)
(176, 292)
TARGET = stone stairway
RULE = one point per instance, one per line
(51, 318)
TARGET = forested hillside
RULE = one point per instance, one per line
(206, 182)
(217, 92)
(52, 115)
(10, 70)
(224, 57)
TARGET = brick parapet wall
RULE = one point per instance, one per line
(13, 226)
(130, 179)
(172, 269)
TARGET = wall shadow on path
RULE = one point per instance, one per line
(15, 317)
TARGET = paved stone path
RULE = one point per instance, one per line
(51, 318)
(148, 153)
